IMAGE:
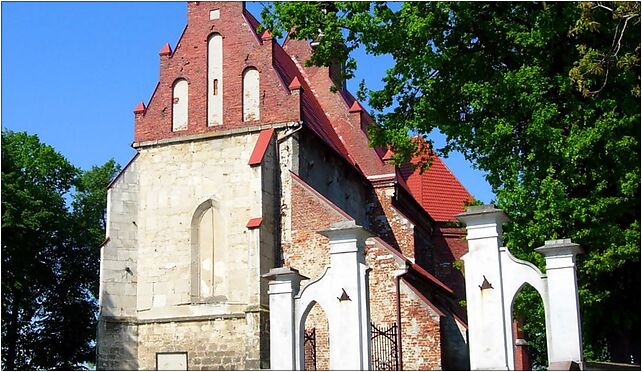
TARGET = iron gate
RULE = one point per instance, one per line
(310, 349)
(384, 348)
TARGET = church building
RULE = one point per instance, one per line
(243, 155)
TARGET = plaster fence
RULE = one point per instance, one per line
(493, 278)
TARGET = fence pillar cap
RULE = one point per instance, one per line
(559, 247)
(475, 213)
(346, 230)
(284, 274)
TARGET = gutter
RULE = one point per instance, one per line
(397, 275)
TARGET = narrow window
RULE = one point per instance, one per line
(179, 105)
(215, 80)
(251, 101)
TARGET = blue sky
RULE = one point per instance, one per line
(72, 73)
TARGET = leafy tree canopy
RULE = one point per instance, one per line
(49, 255)
(544, 96)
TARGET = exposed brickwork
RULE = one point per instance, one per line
(309, 254)
(317, 319)
(336, 106)
(242, 48)
(450, 245)
(420, 333)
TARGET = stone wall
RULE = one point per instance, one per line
(119, 255)
(117, 345)
(148, 304)
(174, 180)
(210, 344)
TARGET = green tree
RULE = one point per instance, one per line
(544, 96)
(49, 255)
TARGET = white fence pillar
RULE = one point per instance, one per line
(284, 284)
(350, 326)
(493, 278)
(484, 292)
(341, 291)
(564, 318)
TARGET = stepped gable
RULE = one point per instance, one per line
(242, 48)
(348, 126)
(437, 190)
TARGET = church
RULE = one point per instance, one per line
(243, 155)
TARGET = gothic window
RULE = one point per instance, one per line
(251, 102)
(179, 105)
(215, 80)
(208, 257)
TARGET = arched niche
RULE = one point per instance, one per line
(208, 254)
(180, 104)
(251, 96)
(215, 80)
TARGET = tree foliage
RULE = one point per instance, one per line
(544, 96)
(49, 255)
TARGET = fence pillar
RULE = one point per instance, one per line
(564, 332)
(349, 314)
(484, 288)
(284, 284)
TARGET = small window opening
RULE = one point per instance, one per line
(215, 87)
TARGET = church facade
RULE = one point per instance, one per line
(243, 154)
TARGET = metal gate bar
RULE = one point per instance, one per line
(310, 349)
(384, 348)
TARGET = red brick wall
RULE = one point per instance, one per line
(309, 253)
(389, 224)
(241, 49)
(449, 246)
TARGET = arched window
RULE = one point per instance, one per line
(215, 80)
(180, 100)
(208, 256)
(251, 104)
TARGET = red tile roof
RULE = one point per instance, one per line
(311, 110)
(437, 190)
